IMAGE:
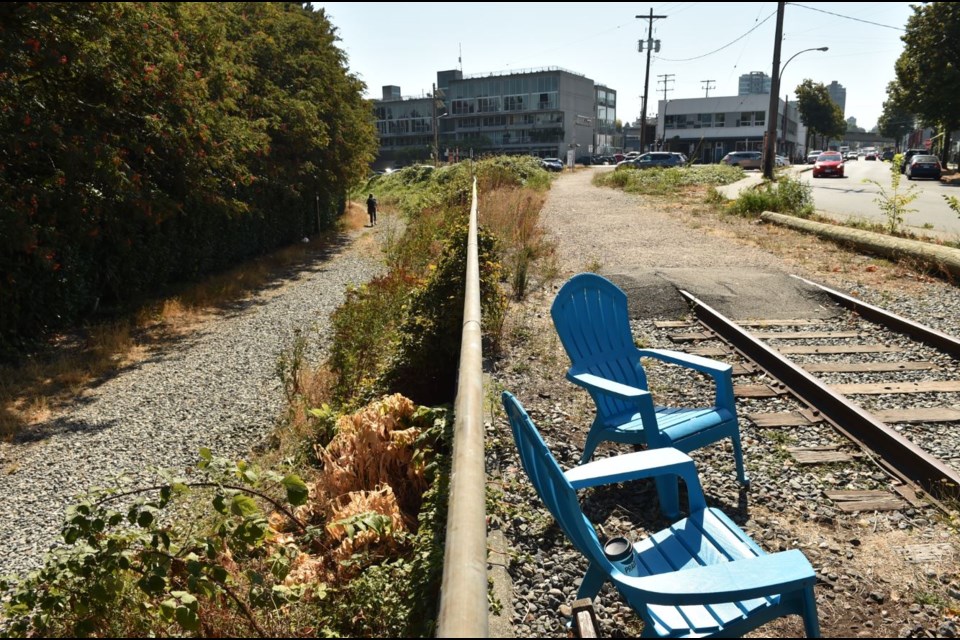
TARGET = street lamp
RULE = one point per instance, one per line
(770, 140)
(780, 77)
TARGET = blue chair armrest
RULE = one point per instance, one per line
(699, 363)
(638, 465)
(742, 579)
(721, 372)
(593, 382)
(642, 399)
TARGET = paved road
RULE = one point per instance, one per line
(852, 198)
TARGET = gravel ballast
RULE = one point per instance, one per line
(868, 586)
(215, 388)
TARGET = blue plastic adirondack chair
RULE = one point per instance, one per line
(590, 315)
(702, 576)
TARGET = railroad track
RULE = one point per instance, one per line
(888, 384)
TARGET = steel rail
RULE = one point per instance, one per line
(898, 455)
(922, 333)
(463, 592)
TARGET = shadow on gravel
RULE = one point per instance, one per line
(62, 426)
(52, 379)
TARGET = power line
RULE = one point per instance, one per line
(755, 27)
(876, 24)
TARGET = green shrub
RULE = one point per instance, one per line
(666, 180)
(784, 196)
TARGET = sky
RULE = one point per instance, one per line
(405, 44)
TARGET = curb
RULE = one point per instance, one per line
(944, 259)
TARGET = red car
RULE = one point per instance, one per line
(829, 163)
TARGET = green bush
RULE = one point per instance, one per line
(666, 180)
(784, 196)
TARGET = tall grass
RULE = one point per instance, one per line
(667, 180)
(784, 196)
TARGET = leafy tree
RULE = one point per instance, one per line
(144, 143)
(928, 70)
(818, 112)
(895, 121)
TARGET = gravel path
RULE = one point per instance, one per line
(216, 388)
(867, 584)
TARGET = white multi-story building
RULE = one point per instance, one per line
(706, 129)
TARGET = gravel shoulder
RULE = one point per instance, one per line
(869, 584)
(216, 387)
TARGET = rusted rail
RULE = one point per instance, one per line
(897, 454)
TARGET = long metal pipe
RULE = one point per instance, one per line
(463, 593)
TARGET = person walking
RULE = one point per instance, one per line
(372, 209)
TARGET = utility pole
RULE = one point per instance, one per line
(665, 79)
(771, 137)
(707, 86)
(646, 77)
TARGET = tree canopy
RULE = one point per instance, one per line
(818, 112)
(142, 143)
(895, 121)
(928, 70)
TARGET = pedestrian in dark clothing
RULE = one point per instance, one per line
(372, 209)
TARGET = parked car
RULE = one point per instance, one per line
(829, 163)
(552, 164)
(923, 166)
(908, 155)
(781, 161)
(743, 159)
(887, 155)
(813, 155)
(653, 159)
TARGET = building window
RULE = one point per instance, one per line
(513, 103)
(488, 105)
(718, 119)
(460, 107)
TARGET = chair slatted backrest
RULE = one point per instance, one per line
(551, 485)
(591, 317)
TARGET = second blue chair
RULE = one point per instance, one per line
(590, 315)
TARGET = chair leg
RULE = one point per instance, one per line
(594, 438)
(593, 579)
(738, 459)
(669, 495)
(811, 625)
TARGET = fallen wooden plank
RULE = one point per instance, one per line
(818, 455)
(918, 415)
(867, 367)
(909, 493)
(877, 388)
(743, 369)
(785, 419)
(805, 335)
(851, 501)
(710, 352)
(756, 391)
(691, 337)
(672, 324)
(841, 348)
(778, 323)
(585, 623)
(927, 553)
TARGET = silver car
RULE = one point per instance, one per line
(743, 159)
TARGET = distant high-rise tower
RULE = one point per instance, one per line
(838, 94)
(754, 82)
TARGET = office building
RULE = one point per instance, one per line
(838, 94)
(706, 129)
(545, 112)
(754, 82)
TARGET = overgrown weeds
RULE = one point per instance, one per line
(667, 180)
(786, 195)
